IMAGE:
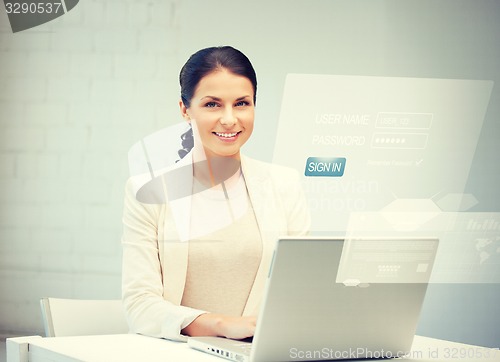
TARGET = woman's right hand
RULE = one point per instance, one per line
(222, 326)
(238, 327)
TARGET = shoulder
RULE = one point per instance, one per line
(264, 170)
(161, 185)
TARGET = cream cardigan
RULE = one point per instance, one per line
(155, 254)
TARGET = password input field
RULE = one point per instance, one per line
(410, 141)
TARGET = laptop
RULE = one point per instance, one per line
(330, 298)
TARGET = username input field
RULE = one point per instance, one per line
(400, 120)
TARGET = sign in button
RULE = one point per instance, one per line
(325, 166)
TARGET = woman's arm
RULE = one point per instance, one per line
(146, 309)
(210, 324)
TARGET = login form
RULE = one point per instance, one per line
(367, 143)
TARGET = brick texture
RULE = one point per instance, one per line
(75, 94)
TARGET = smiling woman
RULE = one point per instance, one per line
(211, 281)
(222, 108)
(219, 84)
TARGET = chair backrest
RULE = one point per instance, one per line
(77, 317)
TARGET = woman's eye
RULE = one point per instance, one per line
(242, 103)
(211, 105)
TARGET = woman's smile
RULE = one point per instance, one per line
(227, 136)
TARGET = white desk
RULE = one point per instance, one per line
(132, 347)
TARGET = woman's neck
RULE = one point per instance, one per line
(215, 170)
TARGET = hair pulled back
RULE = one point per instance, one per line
(208, 60)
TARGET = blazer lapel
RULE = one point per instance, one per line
(262, 197)
(178, 184)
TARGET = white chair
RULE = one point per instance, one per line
(77, 317)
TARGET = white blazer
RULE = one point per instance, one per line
(155, 259)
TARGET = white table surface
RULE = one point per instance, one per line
(132, 347)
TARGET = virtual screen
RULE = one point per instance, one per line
(396, 138)
(390, 157)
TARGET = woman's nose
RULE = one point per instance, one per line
(228, 118)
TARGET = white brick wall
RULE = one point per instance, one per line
(75, 94)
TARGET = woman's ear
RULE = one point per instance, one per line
(184, 111)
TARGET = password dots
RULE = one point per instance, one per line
(390, 140)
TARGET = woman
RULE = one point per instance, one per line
(197, 265)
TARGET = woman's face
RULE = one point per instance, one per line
(223, 110)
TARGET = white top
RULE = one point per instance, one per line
(223, 263)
